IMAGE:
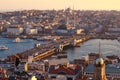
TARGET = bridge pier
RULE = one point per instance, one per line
(59, 48)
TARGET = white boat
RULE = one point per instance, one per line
(3, 47)
(37, 45)
(17, 40)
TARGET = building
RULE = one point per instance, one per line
(63, 28)
(3, 73)
(64, 72)
(1, 28)
(112, 72)
(82, 61)
(15, 30)
(79, 31)
(93, 57)
(99, 70)
(30, 31)
(113, 31)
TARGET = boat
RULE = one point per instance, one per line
(37, 45)
(3, 48)
(17, 40)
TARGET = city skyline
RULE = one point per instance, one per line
(10, 5)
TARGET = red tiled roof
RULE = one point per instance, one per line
(66, 70)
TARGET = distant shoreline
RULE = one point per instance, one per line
(4, 11)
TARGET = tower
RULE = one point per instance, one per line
(99, 70)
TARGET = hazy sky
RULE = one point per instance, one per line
(59, 4)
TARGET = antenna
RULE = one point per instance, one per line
(99, 47)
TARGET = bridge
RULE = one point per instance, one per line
(49, 49)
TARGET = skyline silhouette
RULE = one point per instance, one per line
(10, 5)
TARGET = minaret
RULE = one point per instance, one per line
(99, 68)
(100, 49)
(73, 16)
(67, 18)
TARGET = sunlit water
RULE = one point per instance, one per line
(25, 44)
(107, 47)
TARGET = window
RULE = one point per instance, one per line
(69, 78)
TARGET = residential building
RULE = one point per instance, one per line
(64, 72)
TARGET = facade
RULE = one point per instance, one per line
(15, 30)
(113, 31)
(93, 57)
(97, 69)
(112, 73)
(31, 31)
(64, 28)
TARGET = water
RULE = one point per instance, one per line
(107, 47)
(26, 44)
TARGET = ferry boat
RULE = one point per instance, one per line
(17, 40)
(3, 47)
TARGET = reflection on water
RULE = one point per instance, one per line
(108, 47)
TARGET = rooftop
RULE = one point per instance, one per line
(63, 69)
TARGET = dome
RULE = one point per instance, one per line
(99, 61)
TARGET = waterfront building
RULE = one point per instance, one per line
(31, 31)
(15, 30)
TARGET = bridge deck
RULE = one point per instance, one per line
(48, 49)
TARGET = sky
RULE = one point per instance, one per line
(8, 5)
